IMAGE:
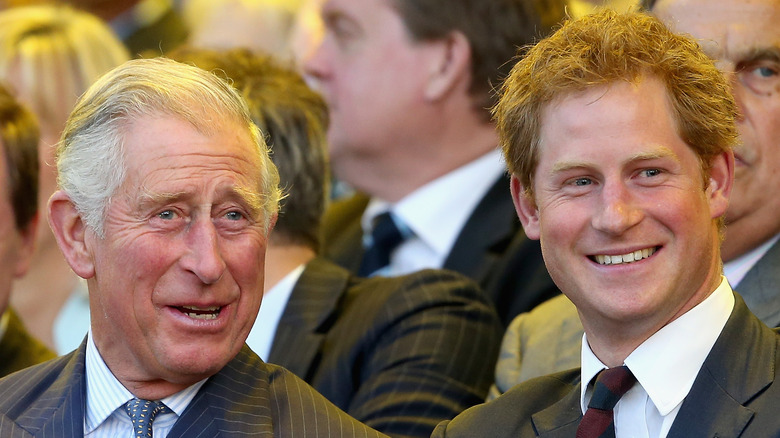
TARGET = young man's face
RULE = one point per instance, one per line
(625, 221)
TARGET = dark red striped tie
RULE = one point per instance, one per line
(611, 384)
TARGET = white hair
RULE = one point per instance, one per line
(90, 156)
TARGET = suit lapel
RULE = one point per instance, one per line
(233, 402)
(486, 235)
(60, 411)
(760, 287)
(715, 405)
(342, 232)
(561, 419)
(301, 330)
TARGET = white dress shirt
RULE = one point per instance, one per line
(105, 415)
(435, 214)
(665, 366)
(261, 337)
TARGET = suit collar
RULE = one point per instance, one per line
(309, 312)
(562, 418)
(759, 287)
(486, 235)
(232, 402)
(715, 404)
(62, 403)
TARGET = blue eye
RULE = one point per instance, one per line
(234, 216)
(582, 182)
(765, 72)
(651, 172)
(167, 215)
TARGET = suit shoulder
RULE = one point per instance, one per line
(510, 414)
(23, 388)
(299, 410)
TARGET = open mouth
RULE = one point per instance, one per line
(630, 257)
(200, 312)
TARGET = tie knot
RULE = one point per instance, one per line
(611, 384)
(142, 413)
(385, 237)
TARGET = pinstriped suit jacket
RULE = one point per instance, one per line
(246, 398)
(400, 354)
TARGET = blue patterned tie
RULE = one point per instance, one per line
(142, 413)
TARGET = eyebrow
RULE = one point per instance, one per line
(770, 53)
(250, 199)
(660, 152)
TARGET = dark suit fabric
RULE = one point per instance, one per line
(18, 349)
(246, 398)
(734, 394)
(400, 354)
(491, 249)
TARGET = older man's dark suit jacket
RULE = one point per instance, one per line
(491, 249)
(400, 354)
(18, 349)
(736, 394)
(246, 398)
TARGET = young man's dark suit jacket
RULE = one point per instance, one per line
(736, 394)
(18, 349)
(491, 249)
(246, 398)
(400, 354)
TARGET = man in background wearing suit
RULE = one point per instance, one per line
(618, 134)
(18, 220)
(408, 84)
(548, 338)
(166, 199)
(400, 354)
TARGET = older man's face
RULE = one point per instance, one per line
(178, 277)
(743, 36)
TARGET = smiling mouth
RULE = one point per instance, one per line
(630, 257)
(200, 312)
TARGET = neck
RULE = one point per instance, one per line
(399, 171)
(281, 259)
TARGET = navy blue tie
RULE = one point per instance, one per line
(385, 238)
(142, 413)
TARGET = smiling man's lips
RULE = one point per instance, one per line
(195, 312)
(634, 256)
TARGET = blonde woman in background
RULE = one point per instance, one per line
(49, 55)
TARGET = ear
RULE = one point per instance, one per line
(70, 231)
(721, 183)
(525, 208)
(26, 247)
(449, 64)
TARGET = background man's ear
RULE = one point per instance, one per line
(525, 208)
(449, 66)
(70, 231)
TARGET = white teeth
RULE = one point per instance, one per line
(634, 256)
(201, 312)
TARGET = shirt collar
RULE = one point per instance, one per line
(667, 363)
(736, 269)
(105, 393)
(456, 193)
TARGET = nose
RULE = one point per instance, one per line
(204, 257)
(315, 61)
(617, 212)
